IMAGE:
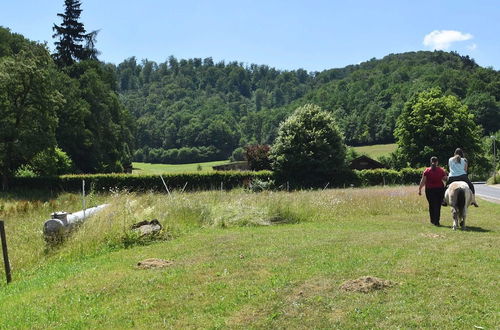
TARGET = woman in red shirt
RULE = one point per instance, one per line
(432, 179)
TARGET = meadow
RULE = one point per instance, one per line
(149, 168)
(252, 260)
(377, 150)
(373, 151)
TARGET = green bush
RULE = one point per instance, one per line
(411, 175)
(495, 179)
(379, 176)
(389, 177)
(237, 155)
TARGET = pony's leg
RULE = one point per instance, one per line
(473, 200)
(464, 215)
(446, 199)
(455, 218)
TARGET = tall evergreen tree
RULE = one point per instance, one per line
(73, 43)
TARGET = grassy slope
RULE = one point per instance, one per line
(273, 276)
(148, 168)
(373, 151)
(377, 150)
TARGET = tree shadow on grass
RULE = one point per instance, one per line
(472, 228)
(29, 194)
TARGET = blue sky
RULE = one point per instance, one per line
(314, 35)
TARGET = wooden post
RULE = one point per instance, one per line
(5, 253)
(83, 197)
(166, 187)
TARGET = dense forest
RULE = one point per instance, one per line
(59, 115)
(70, 112)
(195, 109)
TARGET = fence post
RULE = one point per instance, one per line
(5, 253)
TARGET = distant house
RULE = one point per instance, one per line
(235, 166)
(365, 163)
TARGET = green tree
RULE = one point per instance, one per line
(51, 161)
(29, 102)
(309, 149)
(94, 125)
(73, 43)
(486, 111)
(434, 124)
(108, 122)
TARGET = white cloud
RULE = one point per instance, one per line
(472, 47)
(442, 39)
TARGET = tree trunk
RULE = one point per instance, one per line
(5, 181)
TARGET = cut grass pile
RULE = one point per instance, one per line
(148, 168)
(377, 150)
(240, 260)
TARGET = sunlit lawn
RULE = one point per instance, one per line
(148, 168)
(247, 260)
(376, 150)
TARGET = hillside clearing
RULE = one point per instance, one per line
(148, 168)
(377, 150)
(231, 265)
(373, 151)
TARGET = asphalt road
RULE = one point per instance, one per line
(489, 193)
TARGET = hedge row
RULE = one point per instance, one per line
(388, 177)
(175, 181)
(203, 181)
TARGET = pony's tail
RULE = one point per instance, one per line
(460, 200)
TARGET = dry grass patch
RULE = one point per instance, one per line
(432, 235)
(366, 284)
(154, 263)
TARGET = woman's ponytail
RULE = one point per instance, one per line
(459, 154)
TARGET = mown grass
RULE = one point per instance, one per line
(148, 168)
(373, 151)
(245, 260)
(377, 150)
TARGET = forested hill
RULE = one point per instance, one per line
(200, 110)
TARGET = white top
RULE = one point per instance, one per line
(457, 169)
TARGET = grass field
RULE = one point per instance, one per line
(377, 150)
(148, 168)
(373, 151)
(246, 260)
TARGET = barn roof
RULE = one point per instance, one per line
(365, 163)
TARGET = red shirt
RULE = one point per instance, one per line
(434, 177)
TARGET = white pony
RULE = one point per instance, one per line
(459, 197)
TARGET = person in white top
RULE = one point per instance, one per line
(458, 172)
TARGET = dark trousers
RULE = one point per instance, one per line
(434, 197)
(464, 178)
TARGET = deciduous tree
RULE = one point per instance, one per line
(309, 149)
(434, 124)
(29, 102)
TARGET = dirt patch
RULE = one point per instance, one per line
(311, 288)
(154, 263)
(366, 284)
(431, 235)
